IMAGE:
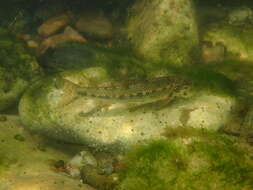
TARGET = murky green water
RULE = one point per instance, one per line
(81, 105)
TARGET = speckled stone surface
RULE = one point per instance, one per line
(53, 107)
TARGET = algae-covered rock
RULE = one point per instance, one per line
(189, 159)
(164, 30)
(240, 16)
(237, 40)
(60, 108)
(51, 26)
(17, 69)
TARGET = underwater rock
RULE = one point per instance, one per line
(69, 35)
(237, 40)
(52, 25)
(91, 176)
(11, 97)
(213, 53)
(105, 162)
(90, 170)
(113, 118)
(80, 160)
(241, 124)
(248, 120)
(95, 25)
(18, 68)
(164, 31)
(240, 16)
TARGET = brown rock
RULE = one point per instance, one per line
(69, 35)
(91, 176)
(212, 53)
(52, 25)
(24, 37)
(95, 25)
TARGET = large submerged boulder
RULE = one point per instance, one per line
(56, 108)
(164, 31)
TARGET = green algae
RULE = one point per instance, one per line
(16, 59)
(17, 68)
(38, 91)
(207, 161)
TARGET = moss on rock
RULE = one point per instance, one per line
(17, 69)
(164, 31)
(203, 160)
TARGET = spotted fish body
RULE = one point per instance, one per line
(147, 90)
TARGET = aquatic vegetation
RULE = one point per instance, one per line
(205, 160)
(18, 68)
(15, 58)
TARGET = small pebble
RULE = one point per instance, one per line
(19, 137)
